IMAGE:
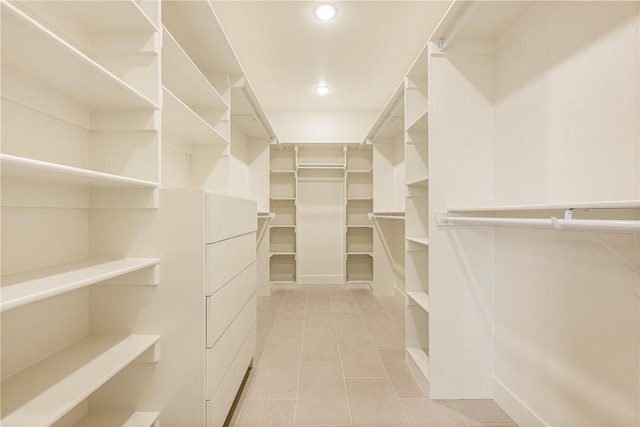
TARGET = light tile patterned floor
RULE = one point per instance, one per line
(329, 356)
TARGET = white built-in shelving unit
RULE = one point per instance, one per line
(358, 226)
(416, 108)
(80, 132)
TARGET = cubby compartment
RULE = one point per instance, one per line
(285, 211)
(360, 159)
(359, 268)
(359, 240)
(417, 337)
(417, 171)
(282, 159)
(283, 186)
(359, 185)
(282, 269)
(417, 269)
(283, 240)
(417, 215)
(358, 212)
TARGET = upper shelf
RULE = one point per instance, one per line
(45, 392)
(45, 171)
(47, 58)
(109, 15)
(183, 77)
(119, 419)
(180, 120)
(21, 292)
(423, 181)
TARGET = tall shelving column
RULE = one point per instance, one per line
(358, 226)
(417, 216)
(80, 125)
(282, 229)
(387, 138)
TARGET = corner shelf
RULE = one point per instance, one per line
(418, 240)
(120, 419)
(53, 62)
(420, 298)
(45, 392)
(77, 276)
(180, 120)
(15, 166)
(421, 359)
(423, 181)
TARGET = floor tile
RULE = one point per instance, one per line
(320, 318)
(386, 335)
(360, 359)
(432, 413)
(344, 305)
(322, 399)
(400, 376)
(373, 403)
(351, 327)
(482, 411)
(275, 383)
(320, 346)
(263, 413)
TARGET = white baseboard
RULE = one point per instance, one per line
(329, 279)
(283, 286)
(514, 407)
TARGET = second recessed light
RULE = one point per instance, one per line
(322, 90)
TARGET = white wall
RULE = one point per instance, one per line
(239, 166)
(566, 129)
(321, 126)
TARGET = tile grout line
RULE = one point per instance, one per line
(257, 364)
(304, 330)
(344, 379)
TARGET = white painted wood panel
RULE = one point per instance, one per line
(238, 216)
(227, 258)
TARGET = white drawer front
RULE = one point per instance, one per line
(226, 259)
(220, 357)
(224, 305)
(229, 217)
(218, 407)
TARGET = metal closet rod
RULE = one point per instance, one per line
(381, 216)
(629, 226)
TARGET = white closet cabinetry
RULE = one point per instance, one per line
(532, 101)
(80, 133)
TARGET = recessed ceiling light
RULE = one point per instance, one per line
(325, 11)
(322, 90)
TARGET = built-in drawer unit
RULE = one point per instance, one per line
(228, 216)
(227, 258)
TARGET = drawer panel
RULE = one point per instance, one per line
(220, 357)
(227, 258)
(228, 216)
(218, 407)
(224, 305)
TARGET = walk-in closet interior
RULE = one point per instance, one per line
(301, 213)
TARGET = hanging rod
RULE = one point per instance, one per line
(266, 215)
(374, 216)
(443, 44)
(444, 218)
(249, 97)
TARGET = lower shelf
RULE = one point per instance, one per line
(420, 298)
(120, 419)
(420, 357)
(45, 392)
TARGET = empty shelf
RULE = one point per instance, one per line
(282, 226)
(45, 392)
(47, 58)
(420, 181)
(108, 15)
(356, 253)
(78, 276)
(321, 166)
(181, 121)
(282, 254)
(419, 240)
(360, 171)
(284, 172)
(420, 298)
(46, 171)
(420, 124)
(119, 419)
(359, 226)
(421, 359)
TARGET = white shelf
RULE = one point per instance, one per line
(272, 254)
(359, 253)
(45, 392)
(185, 79)
(108, 15)
(609, 204)
(287, 172)
(420, 124)
(282, 226)
(361, 199)
(119, 419)
(419, 240)
(421, 359)
(420, 298)
(181, 121)
(15, 166)
(283, 198)
(21, 292)
(339, 166)
(360, 171)
(359, 226)
(418, 182)
(47, 58)
(399, 216)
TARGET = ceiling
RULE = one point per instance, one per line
(362, 54)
